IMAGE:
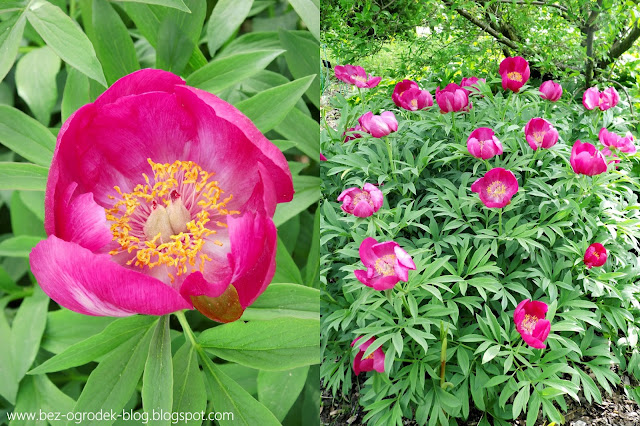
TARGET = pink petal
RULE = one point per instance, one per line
(404, 258)
(92, 284)
(138, 82)
(362, 209)
(84, 222)
(384, 248)
(382, 282)
(366, 251)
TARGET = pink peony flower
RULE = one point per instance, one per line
(515, 73)
(160, 198)
(354, 74)
(608, 98)
(387, 263)
(375, 361)
(550, 90)
(496, 187)
(354, 135)
(378, 125)
(415, 99)
(402, 87)
(540, 134)
(453, 98)
(470, 84)
(595, 255)
(617, 143)
(530, 323)
(361, 202)
(587, 160)
(591, 98)
(482, 143)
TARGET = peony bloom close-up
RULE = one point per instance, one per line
(361, 202)
(415, 99)
(591, 98)
(551, 91)
(402, 87)
(514, 72)
(387, 263)
(356, 75)
(530, 321)
(150, 207)
(540, 134)
(587, 160)
(595, 255)
(453, 98)
(482, 143)
(470, 84)
(496, 187)
(379, 125)
(608, 98)
(614, 143)
(375, 361)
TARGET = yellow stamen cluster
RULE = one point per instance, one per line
(529, 323)
(538, 136)
(180, 251)
(384, 265)
(515, 76)
(497, 188)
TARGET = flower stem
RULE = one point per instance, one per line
(486, 163)
(500, 222)
(186, 328)
(391, 162)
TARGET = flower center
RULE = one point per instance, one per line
(370, 356)
(363, 196)
(384, 265)
(529, 323)
(168, 222)
(496, 189)
(538, 136)
(359, 78)
(596, 254)
(515, 76)
(414, 103)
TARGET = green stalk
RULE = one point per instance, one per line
(443, 354)
(500, 222)
(187, 329)
(391, 162)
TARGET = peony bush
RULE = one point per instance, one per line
(500, 280)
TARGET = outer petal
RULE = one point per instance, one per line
(92, 284)
(532, 341)
(378, 360)
(363, 209)
(381, 282)
(362, 276)
(356, 363)
(84, 222)
(138, 82)
(366, 251)
(377, 198)
(403, 258)
(384, 248)
(541, 332)
(373, 82)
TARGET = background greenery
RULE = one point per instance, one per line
(58, 55)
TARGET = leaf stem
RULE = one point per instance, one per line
(391, 163)
(187, 329)
(500, 222)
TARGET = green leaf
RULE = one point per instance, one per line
(66, 328)
(312, 269)
(23, 176)
(261, 107)
(39, 395)
(23, 220)
(26, 136)
(229, 397)
(174, 48)
(309, 12)
(34, 200)
(8, 380)
(110, 37)
(76, 92)
(176, 4)
(490, 353)
(303, 56)
(65, 38)
(26, 331)
(303, 130)
(278, 390)
(157, 381)
(307, 192)
(115, 334)
(18, 246)
(189, 393)
(10, 36)
(278, 344)
(285, 300)
(112, 382)
(36, 81)
(226, 17)
(286, 269)
(219, 74)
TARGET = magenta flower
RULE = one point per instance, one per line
(151, 207)
(595, 255)
(354, 135)
(378, 125)
(354, 74)
(608, 98)
(587, 160)
(616, 142)
(531, 324)
(452, 98)
(375, 361)
(361, 202)
(540, 134)
(482, 143)
(387, 263)
(514, 72)
(402, 87)
(591, 98)
(415, 99)
(496, 187)
(550, 90)
(470, 84)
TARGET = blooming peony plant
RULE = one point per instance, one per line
(587, 160)
(595, 255)
(471, 84)
(356, 75)
(375, 361)
(608, 98)
(482, 143)
(591, 98)
(496, 187)
(150, 207)
(387, 263)
(514, 72)
(361, 202)
(379, 125)
(530, 321)
(402, 87)
(550, 90)
(453, 98)
(540, 134)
